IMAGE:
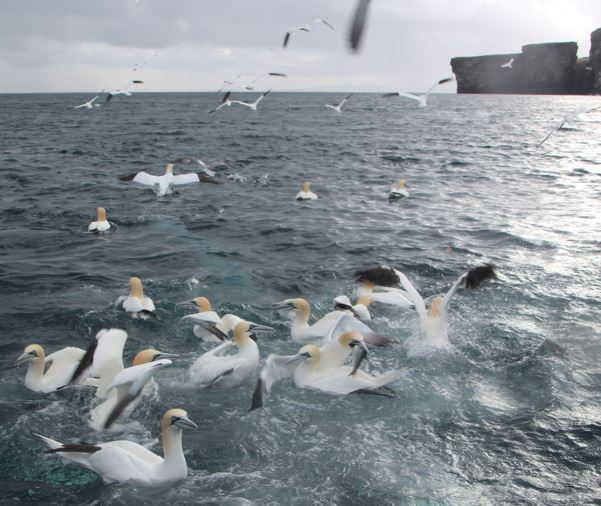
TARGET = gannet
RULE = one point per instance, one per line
(251, 85)
(305, 28)
(101, 224)
(377, 283)
(252, 105)
(102, 361)
(328, 327)
(214, 368)
(62, 365)
(360, 309)
(308, 371)
(129, 386)
(208, 326)
(338, 108)
(120, 461)
(163, 185)
(306, 193)
(136, 303)
(225, 101)
(335, 353)
(568, 118)
(123, 91)
(509, 64)
(90, 103)
(422, 100)
(358, 24)
(398, 190)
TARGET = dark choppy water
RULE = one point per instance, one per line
(510, 415)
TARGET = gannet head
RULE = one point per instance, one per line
(400, 184)
(352, 339)
(32, 352)
(150, 355)
(203, 304)
(177, 419)
(244, 332)
(307, 186)
(436, 307)
(169, 168)
(136, 289)
(101, 213)
(309, 353)
(298, 304)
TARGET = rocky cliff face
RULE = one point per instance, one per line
(550, 68)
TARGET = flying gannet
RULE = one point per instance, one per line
(121, 461)
(213, 368)
(329, 327)
(305, 28)
(162, 185)
(398, 190)
(62, 366)
(251, 85)
(422, 100)
(225, 101)
(306, 193)
(308, 371)
(101, 224)
(123, 91)
(102, 360)
(136, 304)
(358, 24)
(252, 105)
(338, 108)
(509, 64)
(129, 386)
(568, 118)
(90, 103)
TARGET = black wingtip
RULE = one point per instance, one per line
(75, 447)
(258, 395)
(286, 39)
(85, 362)
(381, 276)
(478, 275)
(127, 178)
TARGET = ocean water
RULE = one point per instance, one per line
(510, 413)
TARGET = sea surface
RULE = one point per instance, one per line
(510, 413)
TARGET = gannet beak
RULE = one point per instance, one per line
(183, 422)
(24, 358)
(165, 355)
(185, 303)
(300, 356)
(283, 305)
(260, 328)
(359, 357)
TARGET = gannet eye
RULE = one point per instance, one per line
(33, 353)
(175, 419)
(353, 343)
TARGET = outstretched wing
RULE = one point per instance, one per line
(437, 83)
(146, 179)
(358, 24)
(415, 297)
(478, 275)
(382, 275)
(344, 322)
(207, 322)
(286, 39)
(277, 367)
(319, 20)
(191, 177)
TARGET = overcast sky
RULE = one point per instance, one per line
(194, 45)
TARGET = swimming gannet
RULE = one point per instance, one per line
(101, 224)
(306, 193)
(329, 327)
(213, 368)
(136, 303)
(129, 386)
(398, 190)
(304, 28)
(422, 100)
(360, 309)
(252, 105)
(358, 24)
(102, 361)
(208, 326)
(62, 365)
(163, 185)
(338, 108)
(121, 461)
(308, 371)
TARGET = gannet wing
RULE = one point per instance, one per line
(409, 95)
(415, 297)
(343, 322)
(557, 128)
(62, 365)
(129, 384)
(392, 298)
(85, 363)
(319, 20)
(344, 100)
(146, 179)
(330, 106)
(437, 83)
(453, 289)
(382, 275)
(358, 24)
(191, 177)
(219, 350)
(80, 106)
(208, 322)
(286, 39)
(277, 367)
(117, 462)
(478, 275)
(133, 305)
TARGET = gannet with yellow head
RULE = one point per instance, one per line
(163, 185)
(310, 368)
(208, 325)
(136, 303)
(359, 310)
(306, 193)
(129, 387)
(398, 190)
(214, 368)
(122, 461)
(62, 365)
(101, 224)
(328, 327)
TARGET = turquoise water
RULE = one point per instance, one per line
(509, 414)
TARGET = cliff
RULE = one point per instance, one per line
(549, 68)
